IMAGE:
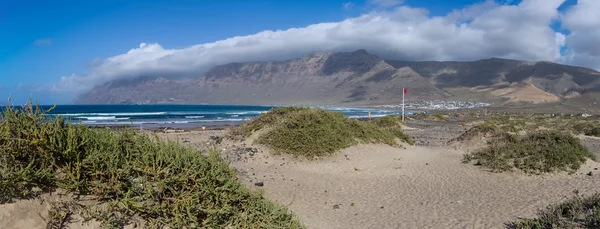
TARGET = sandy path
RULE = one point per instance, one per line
(415, 187)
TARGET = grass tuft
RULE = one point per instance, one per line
(577, 212)
(129, 174)
(317, 132)
(538, 152)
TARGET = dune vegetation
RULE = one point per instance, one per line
(317, 132)
(577, 212)
(536, 152)
(127, 175)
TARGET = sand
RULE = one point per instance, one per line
(416, 187)
(379, 186)
(519, 93)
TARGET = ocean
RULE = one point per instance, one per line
(179, 115)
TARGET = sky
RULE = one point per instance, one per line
(53, 51)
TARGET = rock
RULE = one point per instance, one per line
(589, 174)
(336, 206)
(259, 184)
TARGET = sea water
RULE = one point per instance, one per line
(179, 115)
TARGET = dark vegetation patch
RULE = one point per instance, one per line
(537, 152)
(130, 175)
(425, 116)
(358, 93)
(316, 132)
(381, 76)
(577, 212)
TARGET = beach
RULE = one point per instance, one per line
(379, 186)
(424, 185)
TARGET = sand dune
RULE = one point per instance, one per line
(376, 186)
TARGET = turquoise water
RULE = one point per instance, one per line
(179, 115)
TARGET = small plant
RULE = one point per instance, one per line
(58, 215)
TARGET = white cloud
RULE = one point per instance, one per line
(583, 21)
(42, 42)
(484, 30)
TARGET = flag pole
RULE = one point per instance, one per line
(403, 92)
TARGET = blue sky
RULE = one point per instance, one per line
(44, 41)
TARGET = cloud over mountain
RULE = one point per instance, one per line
(483, 30)
(583, 21)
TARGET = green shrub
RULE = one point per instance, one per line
(577, 212)
(481, 129)
(130, 174)
(317, 132)
(587, 128)
(544, 151)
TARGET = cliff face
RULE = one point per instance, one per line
(318, 79)
(359, 78)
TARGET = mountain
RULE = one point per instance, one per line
(324, 78)
(511, 80)
(360, 78)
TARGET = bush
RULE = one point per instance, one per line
(130, 174)
(544, 151)
(588, 129)
(577, 212)
(317, 132)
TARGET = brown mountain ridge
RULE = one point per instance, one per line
(359, 78)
